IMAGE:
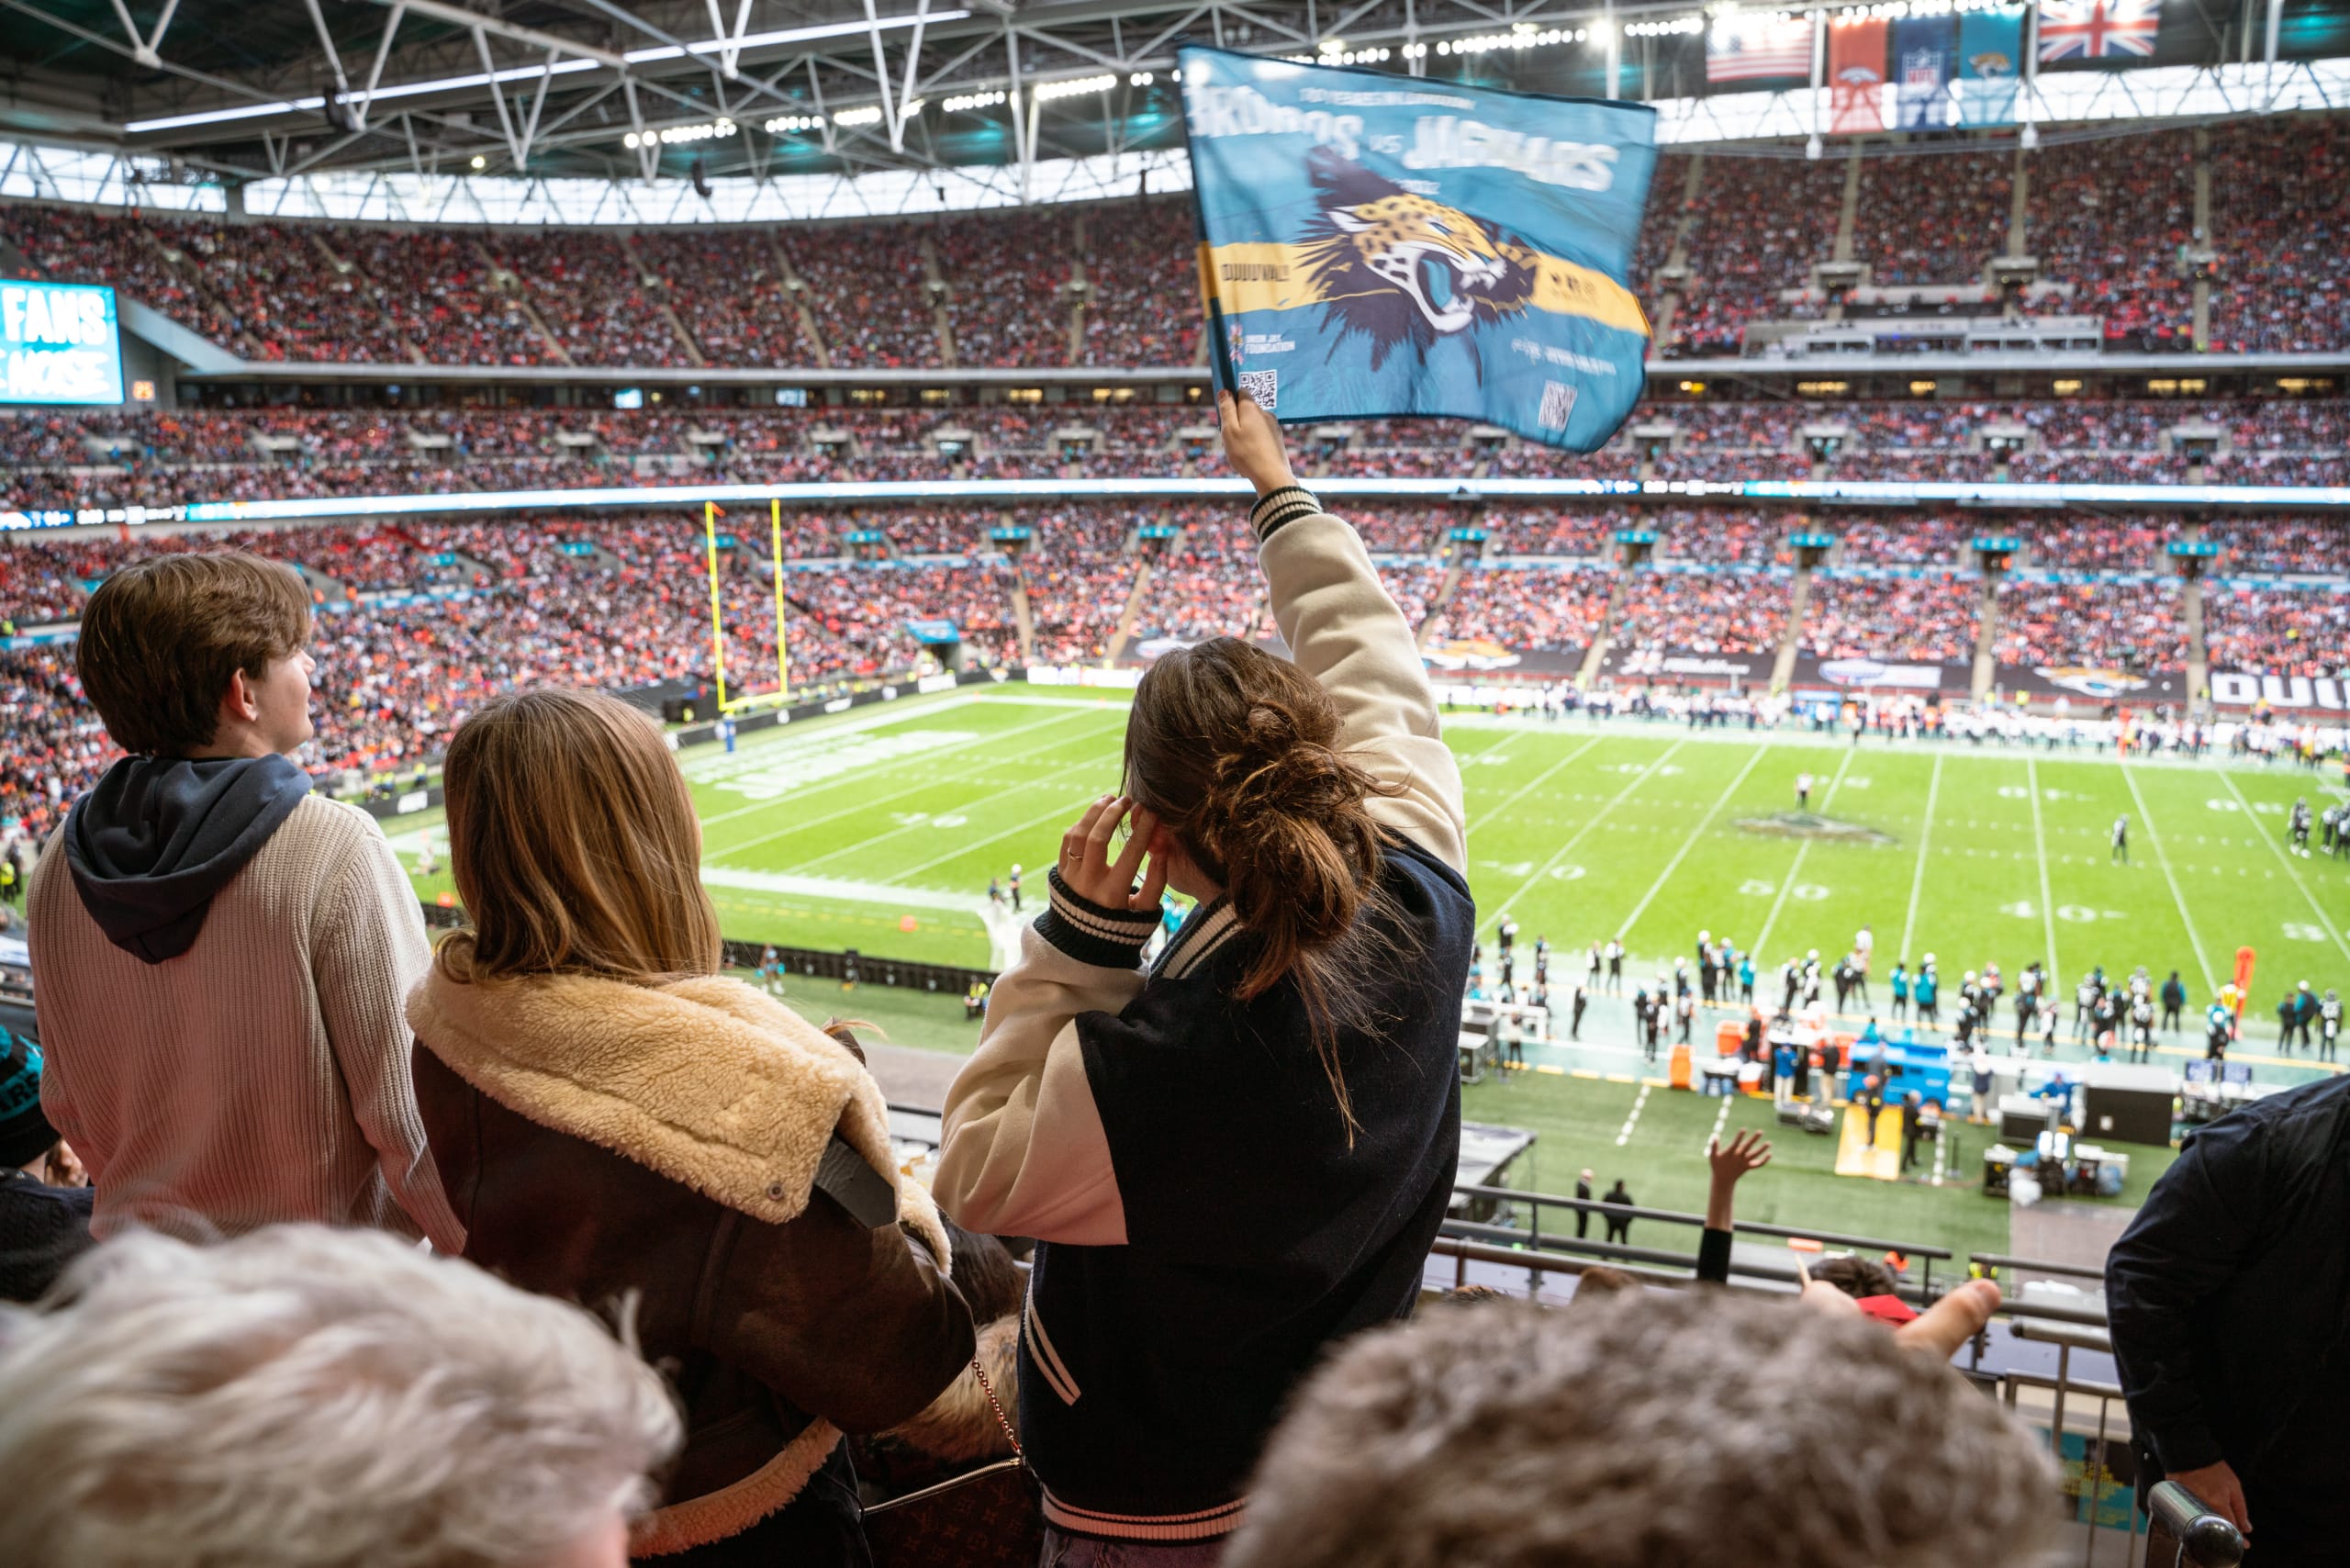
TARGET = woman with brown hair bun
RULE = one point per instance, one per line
(1242, 1154)
(616, 1121)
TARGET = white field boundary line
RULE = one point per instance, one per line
(2047, 897)
(1721, 1120)
(1536, 782)
(1803, 852)
(847, 779)
(2286, 861)
(1917, 880)
(1624, 1135)
(1688, 844)
(1594, 821)
(1094, 761)
(1064, 813)
(2155, 838)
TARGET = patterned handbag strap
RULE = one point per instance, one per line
(997, 1406)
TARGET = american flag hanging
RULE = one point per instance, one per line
(2091, 29)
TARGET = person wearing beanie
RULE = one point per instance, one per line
(42, 1226)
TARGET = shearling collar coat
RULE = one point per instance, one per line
(699, 1146)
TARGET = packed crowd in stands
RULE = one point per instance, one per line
(2269, 546)
(1142, 284)
(1704, 612)
(1536, 609)
(50, 459)
(1755, 228)
(2280, 215)
(2129, 626)
(1932, 219)
(1006, 276)
(2279, 631)
(1718, 537)
(1930, 619)
(1904, 539)
(2084, 541)
(2109, 219)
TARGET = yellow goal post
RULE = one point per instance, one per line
(709, 512)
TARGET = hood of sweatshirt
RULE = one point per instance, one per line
(160, 837)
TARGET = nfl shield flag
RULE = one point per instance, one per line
(1375, 246)
(1924, 59)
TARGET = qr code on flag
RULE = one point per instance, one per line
(1557, 402)
(1263, 386)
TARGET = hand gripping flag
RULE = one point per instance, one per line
(1376, 246)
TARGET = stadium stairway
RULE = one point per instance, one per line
(934, 277)
(797, 286)
(1439, 602)
(646, 280)
(1129, 615)
(519, 297)
(1782, 665)
(1986, 638)
(1078, 289)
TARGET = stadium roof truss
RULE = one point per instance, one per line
(672, 111)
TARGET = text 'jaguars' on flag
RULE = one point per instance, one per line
(1375, 246)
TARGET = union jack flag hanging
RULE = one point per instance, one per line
(2087, 29)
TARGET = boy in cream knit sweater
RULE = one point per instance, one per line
(220, 955)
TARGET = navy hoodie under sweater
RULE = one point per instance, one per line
(160, 837)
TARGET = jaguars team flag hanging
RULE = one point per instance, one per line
(1375, 245)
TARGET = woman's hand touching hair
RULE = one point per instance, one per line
(1096, 875)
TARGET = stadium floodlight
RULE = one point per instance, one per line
(672, 136)
(964, 103)
(785, 125)
(1077, 86)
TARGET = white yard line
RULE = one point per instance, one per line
(851, 779)
(1942, 1156)
(1925, 841)
(965, 806)
(1538, 781)
(1721, 1120)
(1803, 851)
(1687, 844)
(2155, 838)
(1561, 852)
(2047, 897)
(1624, 1135)
(1066, 813)
(2286, 861)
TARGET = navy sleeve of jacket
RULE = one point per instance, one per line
(1713, 1256)
(2191, 1236)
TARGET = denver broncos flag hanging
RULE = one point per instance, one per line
(1376, 245)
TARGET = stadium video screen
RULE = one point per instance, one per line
(59, 343)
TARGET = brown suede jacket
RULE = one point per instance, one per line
(700, 1147)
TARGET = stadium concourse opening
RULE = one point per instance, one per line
(546, 570)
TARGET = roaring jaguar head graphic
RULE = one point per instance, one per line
(1403, 268)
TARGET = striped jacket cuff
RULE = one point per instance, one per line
(1090, 933)
(1276, 507)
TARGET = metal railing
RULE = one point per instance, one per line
(1536, 1237)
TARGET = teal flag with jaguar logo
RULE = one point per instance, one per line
(1375, 246)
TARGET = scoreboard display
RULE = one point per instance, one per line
(59, 343)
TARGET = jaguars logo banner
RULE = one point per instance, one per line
(1375, 245)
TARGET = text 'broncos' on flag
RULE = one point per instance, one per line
(1375, 246)
(2091, 29)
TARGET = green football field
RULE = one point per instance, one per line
(879, 830)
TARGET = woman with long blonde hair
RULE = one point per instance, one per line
(616, 1121)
